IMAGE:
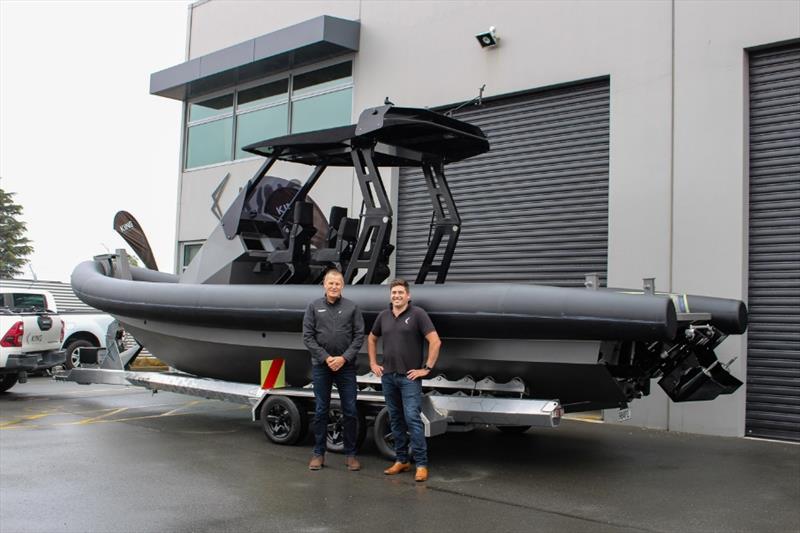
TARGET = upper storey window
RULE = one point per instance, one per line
(219, 126)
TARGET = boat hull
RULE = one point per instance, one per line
(559, 369)
(555, 339)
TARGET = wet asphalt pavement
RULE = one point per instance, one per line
(110, 459)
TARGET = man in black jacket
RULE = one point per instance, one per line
(333, 331)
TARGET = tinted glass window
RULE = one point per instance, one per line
(323, 78)
(210, 143)
(318, 99)
(263, 94)
(189, 251)
(324, 111)
(212, 107)
(29, 300)
(260, 125)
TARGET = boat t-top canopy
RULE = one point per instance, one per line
(401, 136)
(384, 136)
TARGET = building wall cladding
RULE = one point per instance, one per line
(677, 187)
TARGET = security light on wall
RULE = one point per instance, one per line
(488, 39)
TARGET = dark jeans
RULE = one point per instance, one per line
(323, 379)
(404, 401)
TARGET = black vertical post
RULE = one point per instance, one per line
(377, 218)
(446, 222)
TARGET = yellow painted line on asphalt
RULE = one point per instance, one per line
(96, 418)
(181, 407)
(173, 412)
(10, 423)
(143, 406)
(180, 410)
(145, 417)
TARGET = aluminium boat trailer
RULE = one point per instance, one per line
(285, 412)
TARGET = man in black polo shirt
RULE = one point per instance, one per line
(333, 331)
(404, 327)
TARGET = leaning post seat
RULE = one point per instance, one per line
(297, 254)
(339, 254)
(334, 219)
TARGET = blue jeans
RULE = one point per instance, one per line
(404, 402)
(323, 379)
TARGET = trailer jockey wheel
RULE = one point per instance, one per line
(283, 420)
(335, 440)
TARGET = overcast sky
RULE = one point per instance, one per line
(80, 135)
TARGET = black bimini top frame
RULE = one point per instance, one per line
(385, 136)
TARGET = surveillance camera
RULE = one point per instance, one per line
(487, 39)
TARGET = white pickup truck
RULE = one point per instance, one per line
(82, 329)
(31, 341)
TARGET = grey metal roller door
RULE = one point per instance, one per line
(773, 354)
(535, 207)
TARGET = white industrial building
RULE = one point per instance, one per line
(635, 139)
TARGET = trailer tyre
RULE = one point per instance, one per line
(283, 420)
(73, 355)
(382, 436)
(7, 381)
(335, 440)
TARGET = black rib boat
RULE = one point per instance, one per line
(241, 301)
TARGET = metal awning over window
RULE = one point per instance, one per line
(307, 42)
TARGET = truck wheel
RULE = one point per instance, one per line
(73, 355)
(284, 421)
(335, 440)
(514, 430)
(7, 381)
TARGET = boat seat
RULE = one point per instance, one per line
(342, 249)
(334, 220)
(297, 254)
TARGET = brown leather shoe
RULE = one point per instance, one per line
(317, 462)
(352, 463)
(422, 474)
(397, 468)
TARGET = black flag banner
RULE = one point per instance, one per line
(130, 229)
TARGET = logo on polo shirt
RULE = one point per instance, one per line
(407, 319)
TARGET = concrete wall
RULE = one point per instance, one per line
(678, 125)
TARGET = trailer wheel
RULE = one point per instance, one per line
(383, 438)
(335, 440)
(73, 353)
(284, 421)
(7, 381)
(513, 430)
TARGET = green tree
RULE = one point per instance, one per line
(14, 246)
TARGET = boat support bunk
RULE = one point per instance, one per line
(285, 412)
